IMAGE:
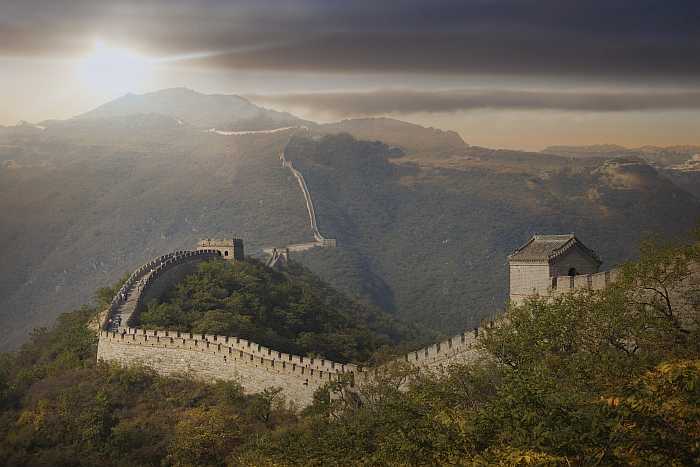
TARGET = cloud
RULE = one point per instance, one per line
(597, 38)
(383, 102)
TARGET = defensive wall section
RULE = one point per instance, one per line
(319, 239)
(256, 367)
(212, 357)
(598, 281)
(142, 285)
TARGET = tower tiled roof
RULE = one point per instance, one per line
(548, 247)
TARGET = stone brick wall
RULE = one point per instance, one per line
(528, 278)
(544, 278)
(206, 361)
(598, 281)
(142, 284)
(209, 358)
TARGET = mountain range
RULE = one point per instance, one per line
(423, 220)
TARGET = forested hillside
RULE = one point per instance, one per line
(290, 311)
(593, 378)
(429, 238)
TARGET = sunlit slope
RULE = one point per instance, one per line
(82, 204)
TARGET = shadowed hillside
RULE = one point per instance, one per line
(430, 240)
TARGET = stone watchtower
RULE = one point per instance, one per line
(535, 266)
(231, 249)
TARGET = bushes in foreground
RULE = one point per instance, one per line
(595, 378)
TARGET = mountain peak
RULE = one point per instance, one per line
(221, 111)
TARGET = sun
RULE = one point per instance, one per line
(113, 70)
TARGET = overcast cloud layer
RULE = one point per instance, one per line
(407, 101)
(612, 39)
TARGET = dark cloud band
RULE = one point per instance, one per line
(615, 39)
(384, 102)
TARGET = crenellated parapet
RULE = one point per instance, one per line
(212, 357)
(597, 281)
(203, 358)
(554, 264)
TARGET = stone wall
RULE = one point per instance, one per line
(143, 284)
(210, 358)
(206, 361)
(598, 281)
(541, 278)
(528, 278)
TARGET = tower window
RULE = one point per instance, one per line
(225, 252)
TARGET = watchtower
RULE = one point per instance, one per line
(535, 265)
(231, 249)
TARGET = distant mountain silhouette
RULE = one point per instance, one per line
(220, 111)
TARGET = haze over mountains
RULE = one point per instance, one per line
(423, 220)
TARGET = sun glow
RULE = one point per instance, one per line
(114, 70)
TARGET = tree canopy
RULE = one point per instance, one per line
(593, 378)
(290, 311)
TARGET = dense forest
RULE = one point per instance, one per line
(595, 378)
(290, 311)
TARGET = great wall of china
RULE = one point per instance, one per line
(256, 367)
(212, 357)
(277, 255)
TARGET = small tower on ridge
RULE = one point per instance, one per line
(535, 266)
(231, 249)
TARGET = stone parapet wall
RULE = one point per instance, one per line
(209, 362)
(248, 347)
(597, 281)
(211, 358)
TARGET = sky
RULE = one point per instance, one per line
(503, 73)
